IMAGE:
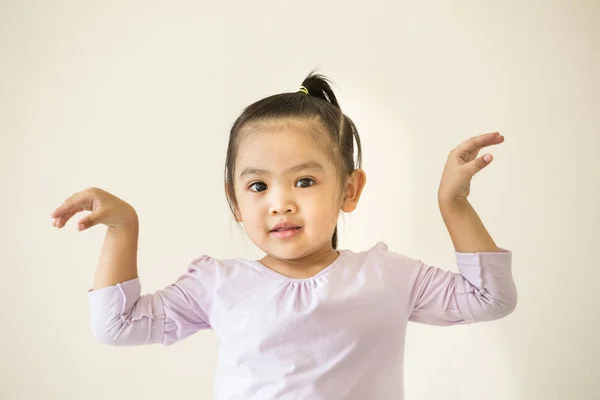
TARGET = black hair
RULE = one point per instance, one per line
(319, 104)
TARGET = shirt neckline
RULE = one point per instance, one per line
(338, 261)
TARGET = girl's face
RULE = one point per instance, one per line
(283, 176)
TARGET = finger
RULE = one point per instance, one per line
(480, 163)
(476, 143)
(80, 200)
(88, 221)
(499, 139)
(63, 219)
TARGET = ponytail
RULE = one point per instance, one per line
(319, 86)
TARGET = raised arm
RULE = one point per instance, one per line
(466, 230)
(118, 258)
(484, 289)
(119, 313)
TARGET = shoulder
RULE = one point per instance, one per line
(224, 280)
(379, 259)
(381, 255)
(208, 268)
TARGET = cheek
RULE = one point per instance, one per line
(250, 207)
(324, 206)
(330, 199)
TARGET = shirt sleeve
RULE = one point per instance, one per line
(482, 290)
(121, 316)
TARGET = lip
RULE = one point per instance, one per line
(284, 226)
(287, 233)
(285, 230)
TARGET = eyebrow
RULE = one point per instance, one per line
(297, 168)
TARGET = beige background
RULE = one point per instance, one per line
(137, 97)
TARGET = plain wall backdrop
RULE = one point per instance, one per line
(137, 98)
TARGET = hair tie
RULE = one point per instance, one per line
(303, 90)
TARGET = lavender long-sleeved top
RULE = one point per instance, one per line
(337, 335)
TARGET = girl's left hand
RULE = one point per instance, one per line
(463, 164)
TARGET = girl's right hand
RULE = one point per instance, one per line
(106, 209)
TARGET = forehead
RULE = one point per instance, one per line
(278, 145)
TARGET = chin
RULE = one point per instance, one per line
(284, 254)
(286, 251)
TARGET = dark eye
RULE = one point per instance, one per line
(304, 182)
(258, 187)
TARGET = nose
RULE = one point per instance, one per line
(282, 202)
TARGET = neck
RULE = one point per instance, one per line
(303, 267)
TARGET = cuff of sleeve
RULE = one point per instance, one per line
(119, 297)
(130, 291)
(130, 284)
(131, 294)
(470, 264)
(158, 321)
(472, 254)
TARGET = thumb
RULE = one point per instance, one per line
(480, 163)
(88, 221)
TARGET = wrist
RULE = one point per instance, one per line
(454, 204)
(128, 227)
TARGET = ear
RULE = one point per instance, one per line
(354, 188)
(237, 213)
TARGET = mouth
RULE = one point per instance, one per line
(284, 231)
(285, 226)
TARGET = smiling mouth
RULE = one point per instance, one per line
(287, 232)
(291, 228)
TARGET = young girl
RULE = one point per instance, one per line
(307, 321)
